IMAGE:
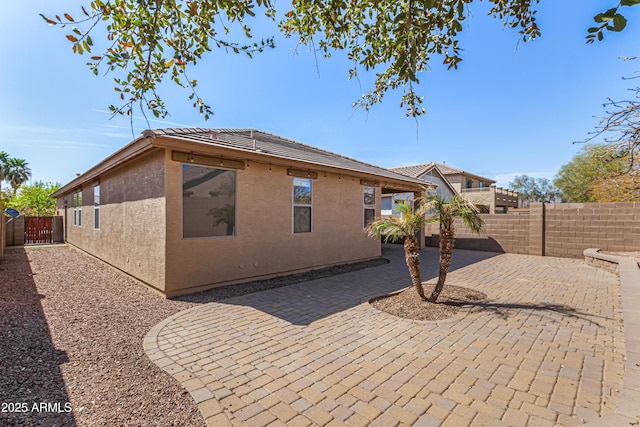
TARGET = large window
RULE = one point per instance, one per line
(208, 202)
(369, 205)
(302, 203)
(96, 207)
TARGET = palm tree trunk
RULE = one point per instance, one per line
(412, 257)
(446, 255)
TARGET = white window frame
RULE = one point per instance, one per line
(96, 207)
(302, 205)
(366, 207)
(75, 208)
(80, 208)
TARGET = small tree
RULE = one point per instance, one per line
(533, 190)
(406, 225)
(35, 200)
(445, 211)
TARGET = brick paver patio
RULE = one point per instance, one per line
(546, 348)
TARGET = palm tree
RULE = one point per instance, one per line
(407, 225)
(445, 211)
(17, 173)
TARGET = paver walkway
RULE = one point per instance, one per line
(546, 348)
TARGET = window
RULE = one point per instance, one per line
(469, 183)
(77, 208)
(369, 205)
(302, 199)
(386, 205)
(208, 202)
(80, 208)
(96, 207)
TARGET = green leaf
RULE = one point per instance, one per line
(606, 16)
(629, 2)
(619, 22)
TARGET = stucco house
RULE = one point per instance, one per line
(477, 189)
(434, 180)
(184, 210)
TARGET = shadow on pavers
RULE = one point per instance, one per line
(304, 302)
(502, 309)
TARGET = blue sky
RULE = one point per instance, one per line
(511, 108)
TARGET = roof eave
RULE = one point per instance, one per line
(165, 141)
(134, 149)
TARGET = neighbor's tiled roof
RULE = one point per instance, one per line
(275, 146)
(418, 170)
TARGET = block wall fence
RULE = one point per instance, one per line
(13, 229)
(553, 229)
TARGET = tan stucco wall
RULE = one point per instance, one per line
(264, 244)
(131, 235)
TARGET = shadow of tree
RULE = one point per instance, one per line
(502, 309)
(32, 389)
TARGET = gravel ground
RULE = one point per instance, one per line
(408, 305)
(71, 331)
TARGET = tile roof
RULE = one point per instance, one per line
(417, 170)
(275, 146)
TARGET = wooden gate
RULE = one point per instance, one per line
(38, 229)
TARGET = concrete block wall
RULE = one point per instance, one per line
(573, 227)
(15, 231)
(502, 233)
(554, 229)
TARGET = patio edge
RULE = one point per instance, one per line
(627, 411)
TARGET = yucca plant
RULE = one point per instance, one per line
(445, 211)
(406, 225)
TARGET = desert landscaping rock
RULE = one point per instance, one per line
(71, 330)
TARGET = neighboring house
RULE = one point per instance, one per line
(184, 210)
(433, 180)
(477, 189)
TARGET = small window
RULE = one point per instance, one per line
(302, 204)
(96, 207)
(208, 202)
(77, 208)
(469, 183)
(369, 205)
(80, 208)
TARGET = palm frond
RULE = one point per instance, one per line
(410, 220)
